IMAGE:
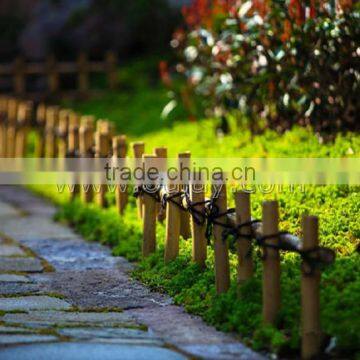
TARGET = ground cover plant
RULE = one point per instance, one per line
(337, 207)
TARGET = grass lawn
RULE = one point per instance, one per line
(136, 109)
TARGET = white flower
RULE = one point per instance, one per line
(245, 7)
(191, 53)
(262, 60)
(226, 79)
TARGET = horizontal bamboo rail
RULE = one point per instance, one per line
(209, 218)
(52, 69)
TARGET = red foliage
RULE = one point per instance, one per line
(164, 73)
(297, 11)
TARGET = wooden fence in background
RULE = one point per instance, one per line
(52, 70)
(186, 210)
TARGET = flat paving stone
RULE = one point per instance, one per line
(36, 228)
(20, 264)
(11, 250)
(27, 303)
(88, 351)
(21, 339)
(14, 278)
(13, 288)
(14, 330)
(107, 333)
(7, 210)
(63, 319)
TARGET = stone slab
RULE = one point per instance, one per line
(88, 351)
(13, 288)
(14, 330)
(221, 351)
(121, 334)
(21, 339)
(11, 250)
(27, 303)
(7, 210)
(20, 265)
(63, 319)
(13, 278)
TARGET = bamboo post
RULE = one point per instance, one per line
(52, 119)
(11, 128)
(102, 150)
(73, 147)
(111, 67)
(53, 74)
(271, 263)
(149, 212)
(138, 150)
(86, 141)
(83, 73)
(119, 155)
(24, 118)
(3, 127)
(63, 129)
(40, 121)
(222, 267)
(19, 76)
(310, 294)
(199, 245)
(243, 245)
(161, 154)
(172, 224)
(184, 169)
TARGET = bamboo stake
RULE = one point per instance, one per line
(52, 119)
(172, 224)
(310, 294)
(63, 130)
(52, 73)
(161, 154)
(19, 76)
(243, 245)
(83, 76)
(24, 118)
(3, 127)
(102, 150)
(184, 170)
(73, 147)
(40, 121)
(149, 213)
(199, 245)
(11, 128)
(119, 154)
(86, 141)
(111, 63)
(222, 267)
(271, 263)
(138, 150)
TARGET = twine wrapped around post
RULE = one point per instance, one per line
(310, 293)
(243, 244)
(83, 73)
(62, 132)
(271, 262)
(222, 267)
(184, 173)
(86, 143)
(149, 211)
(198, 227)
(53, 74)
(138, 151)
(119, 146)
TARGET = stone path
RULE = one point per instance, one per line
(64, 298)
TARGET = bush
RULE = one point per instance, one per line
(280, 63)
